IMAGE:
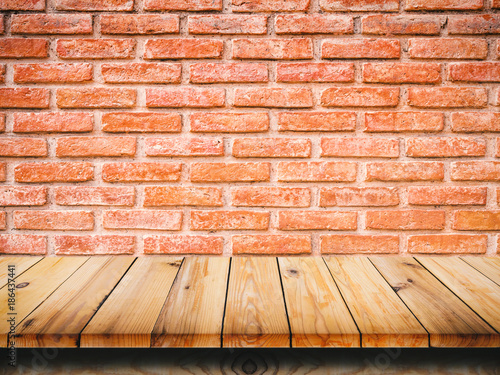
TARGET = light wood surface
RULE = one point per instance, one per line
(488, 266)
(21, 264)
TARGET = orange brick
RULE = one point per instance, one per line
(24, 98)
(273, 49)
(475, 171)
(140, 172)
(476, 220)
(317, 121)
(95, 48)
(95, 146)
(447, 244)
(3, 171)
(475, 122)
(316, 171)
(404, 122)
(360, 97)
(182, 196)
(446, 195)
(142, 219)
(359, 5)
(94, 195)
(139, 24)
(447, 97)
(227, 24)
(183, 48)
(54, 220)
(52, 73)
(182, 244)
(51, 24)
(141, 73)
(52, 122)
(185, 97)
(272, 244)
(402, 73)
(94, 245)
(2, 122)
(311, 220)
(405, 171)
(360, 49)
(229, 220)
(273, 97)
(229, 172)
(184, 147)
(2, 67)
(23, 195)
(359, 244)
(447, 48)
(97, 97)
(3, 221)
(474, 24)
(187, 5)
(315, 72)
(23, 244)
(141, 122)
(272, 148)
(227, 73)
(474, 72)
(22, 5)
(444, 4)
(23, 147)
(313, 24)
(358, 196)
(92, 5)
(405, 220)
(445, 147)
(54, 172)
(270, 197)
(269, 5)
(382, 24)
(204, 122)
(21, 48)
(360, 147)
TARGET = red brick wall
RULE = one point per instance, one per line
(249, 126)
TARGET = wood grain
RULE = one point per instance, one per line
(21, 263)
(488, 266)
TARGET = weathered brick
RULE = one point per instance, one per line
(273, 97)
(474, 72)
(272, 148)
(405, 171)
(445, 147)
(315, 72)
(316, 171)
(447, 97)
(141, 73)
(359, 5)
(95, 48)
(94, 245)
(2, 122)
(475, 122)
(227, 73)
(142, 219)
(182, 244)
(273, 49)
(51, 24)
(193, 97)
(54, 172)
(360, 147)
(358, 244)
(444, 4)
(3, 171)
(279, 244)
(474, 24)
(382, 24)
(321, 220)
(447, 48)
(54, 220)
(184, 147)
(52, 122)
(139, 24)
(2, 73)
(360, 97)
(95, 6)
(95, 146)
(23, 244)
(22, 5)
(141, 122)
(404, 122)
(270, 196)
(96, 97)
(187, 5)
(495, 4)
(23, 195)
(317, 121)
(23, 147)
(446, 195)
(227, 24)
(3, 221)
(204, 122)
(358, 196)
(229, 220)
(183, 48)
(52, 73)
(155, 196)
(24, 97)
(476, 220)
(229, 172)
(94, 195)
(447, 244)
(22, 48)
(313, 24)
(360, 49)
(475, 171)
(269, 5)
(140, 172)
(405, 220)
(402, 73)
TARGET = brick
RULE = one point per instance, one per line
(475, 171)
(140, 172)
(52, 73)
(183, 48)
(447, 244)
(358, 196)
(360, 147)
(184, 147)
(95, 146)
(24, 97)
(253, 196)
(95, 6)
(96, 97)
(204, 122)
(51, 24)
(227, 24)
(3, 171)
(444, 4)
(447, 48)
(315, 72)
(23, 147)
(317, 121)
(360, 97)
(272, 148)
(3, 221)
(54, 220)
(360, 49)
(358, 244)
(359, 5)
(141, 73)
(52, 122)
(474, 24)
(155, 196)
(2, 122)
(474, 72)
(495, 4)
(187, 5)
(229, 172)
(22, 5)
(402, 73)
(23, 195)
(22, 48)
(424, 122)
(2, 27)
(54, 172)
(192, 97)
(445, 147)
(96, 48)
(273, 49)
(227, 73)
(94, 196)
(269, 5)
(476, 220)
(141, 122)
(94, 245)
(382, 24)
(279, 244)
(447, 97)
(229, 220)
(273, 97)
(139, 24)
(405, 220)
(446, 195)
(405, 171)
(23, 244)
(2, 73)
(142, 219)
(313, 24)
(316, 171)
(317, 220)
(182, 244)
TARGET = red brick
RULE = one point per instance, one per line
(54, 220)
(23, 147)
(52, 122)
(315, 72)
(272, 148)
(360, 97)
(93, 5)
(311, 220)
(474, 24)
(405, 171)
(2, 122)
(284, 244)
(317, 121)
(23, 195)
(447, 97)
(23, 244)
(360, 147)
(94, 245)
(22, 5)
(24, 97)
(358, 196)
(382, 24)
(446, 195)
(193, 97)
(445, 147)
(498, 148)
(227, 24)
(270, 196)
(2, 28)
(3, 171)
(142, 219)
(139, 24)
(187, 5)
(182, 244)
(52, 73)
(273, 49)
(140, 172)
(476, 220)
(402, 73)
(316, 171)
(360, 49)
(184, 146)
(229, 220)
(95, 146)
(273, 97)
(269, 5)
(444, 4)
(141, 73)
(204, 122)
(475, 171)
(182, 196)
(359, 244)
(227, 73)
(22, 48)
(313, 24)
(2, 73)
(424, 122)
(54, 172)
(475, 122)
(96, 97)
(495, 4)
(405, 220)
(474, 72)
(359, 5)
(3, 221)
(51, 24)
(447, 244)
(447, 48)
(95, 48)
(141, 122)
(94, 196)
(183, 48)
(229, 172)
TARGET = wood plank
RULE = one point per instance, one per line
(128, 316)
(34, 286)
(476, 290)
(488, 266)
(255, 310)
(21, 263)
(448, 320)
(382, 318)
(317, 313)
(58, 321)
(192, 315)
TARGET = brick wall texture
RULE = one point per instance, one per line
(249, 127)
